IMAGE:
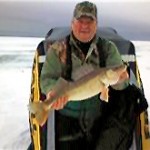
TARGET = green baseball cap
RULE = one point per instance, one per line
(85, 8)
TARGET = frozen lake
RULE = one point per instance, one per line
(15, 79)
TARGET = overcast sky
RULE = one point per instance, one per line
(36, 17)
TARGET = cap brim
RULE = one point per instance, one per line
(86, 15)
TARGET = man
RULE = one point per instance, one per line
(85, 124)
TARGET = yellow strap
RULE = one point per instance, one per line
(35, 132)
(143, 117)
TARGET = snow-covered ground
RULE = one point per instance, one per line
(15, 79)
(143, 60)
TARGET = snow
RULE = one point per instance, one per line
(15, 80)
(143, 60)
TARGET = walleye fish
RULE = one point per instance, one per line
(92, 83)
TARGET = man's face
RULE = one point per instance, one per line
(84, 28)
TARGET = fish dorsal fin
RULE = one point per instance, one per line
(82, 71)
(60, 84)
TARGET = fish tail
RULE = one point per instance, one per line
(38, 109)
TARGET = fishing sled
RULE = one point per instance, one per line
(43, 138)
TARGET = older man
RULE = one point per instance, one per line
(80, 124)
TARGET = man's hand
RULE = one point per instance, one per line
(60, 103)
